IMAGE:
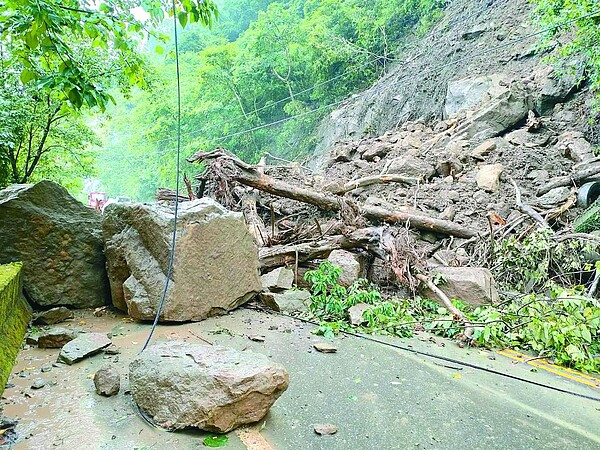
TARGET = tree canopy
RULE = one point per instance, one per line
(60, 59)
(273, 65)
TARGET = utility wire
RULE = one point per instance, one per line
(427, 73)
(172, 253)
(444, 358)
(309, 89)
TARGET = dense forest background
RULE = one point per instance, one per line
(87, 89)
(262, 62)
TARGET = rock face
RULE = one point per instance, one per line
(468, 92)
(472, 285)
(60, 243)
(81, 347)
(215, 268)
(350, 265)
(212, 388)
(107, 381)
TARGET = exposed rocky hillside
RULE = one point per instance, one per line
(482, 40)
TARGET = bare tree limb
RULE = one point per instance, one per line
(245, 174)
(457, 313)
(526, 209)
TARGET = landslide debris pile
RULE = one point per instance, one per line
(493, 164)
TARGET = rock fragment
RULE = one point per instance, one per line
(107, 381)
(209, 387)
(483, 149)
(325, 347)
(84, 345)
(350, 265)
(324, 429)
(38, 384)
(278, 279)
(288, 301)
(55, 337)
(554, 197)
(488, 177)
(52, 316)
(473, 285)
(356, 313)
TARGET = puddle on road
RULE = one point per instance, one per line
(67, 413)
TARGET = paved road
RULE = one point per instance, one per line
(377, 396)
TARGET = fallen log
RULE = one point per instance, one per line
(257, 228)
(163, 194)
(241, 172)
(577, 177)
(288, 255)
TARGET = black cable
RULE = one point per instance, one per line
(446, 359)
(172, 254)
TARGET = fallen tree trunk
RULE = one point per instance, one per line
(288, 255)
(169, 195)
(243, 173)
(257, 228)
(577, 177)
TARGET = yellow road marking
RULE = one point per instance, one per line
(564, 372)
(252, 439)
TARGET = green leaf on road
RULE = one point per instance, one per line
(215, 441)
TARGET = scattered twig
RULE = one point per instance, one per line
(526, 209)
(448, 304)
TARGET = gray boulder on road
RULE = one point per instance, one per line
(59, 241)
(212, 388)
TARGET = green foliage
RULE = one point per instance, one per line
(49, 39)
(528, 265)
(589, 220)
(562, 325)
(331, 301)
(60, 59)
(583, 36)
(215, 441)
(249, 73)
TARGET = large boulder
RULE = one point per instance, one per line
(212, 388)
(215, 269)
(473, 285)
(466, 93)
(497, 115)
(349, 263)
(59, 241)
